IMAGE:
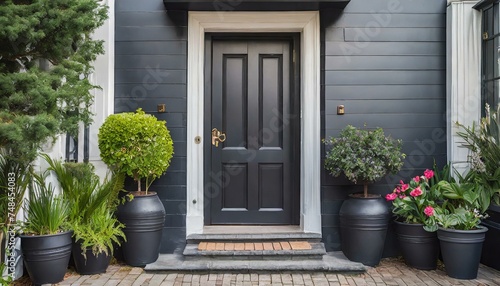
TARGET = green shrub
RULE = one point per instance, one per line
(363, 155)
(136, 144)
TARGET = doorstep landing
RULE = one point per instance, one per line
(331, 262)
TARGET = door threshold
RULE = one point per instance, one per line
(251, 229)
(254, 233)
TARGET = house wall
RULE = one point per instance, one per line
(150, 69)
(384, 60)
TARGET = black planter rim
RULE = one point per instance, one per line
(408, 223)
(143, 194)
(371, 196)
(46, 235)
(494, 207)
(479, 229)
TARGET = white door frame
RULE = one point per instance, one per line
(308, 25)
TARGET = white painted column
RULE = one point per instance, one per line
(103, 76)
(103, 106)
(463, 98)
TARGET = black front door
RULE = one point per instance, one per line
(252, 175)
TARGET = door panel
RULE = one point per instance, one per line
(252, 169)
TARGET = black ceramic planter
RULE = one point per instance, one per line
(143, 217)
(92, 264)
(420, 248)
(461, 251)
(363, 228)
(46, 256)
(491, 251)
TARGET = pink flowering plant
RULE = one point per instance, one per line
(414, 201)
(461, 208)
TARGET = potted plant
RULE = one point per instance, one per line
(14, 179)
(95, 240)
(457, 222)
(412, 204)
(363, 156)
(46, 238)
(140, 146)
(91, 214)
(483, 142)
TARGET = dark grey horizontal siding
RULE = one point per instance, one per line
(383, 77)
(384, 106)
(383, 92)
(385, 61)
(396, 7)
(151, 48)
(389, 20)
(347, 49)
(137, 6)
(150, 69)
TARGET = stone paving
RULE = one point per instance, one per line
(391, 271)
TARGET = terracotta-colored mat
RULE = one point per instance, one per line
(249, 246)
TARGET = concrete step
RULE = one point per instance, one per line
(334, 262)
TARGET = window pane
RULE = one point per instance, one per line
(496, 56)
(496, 98)
(488, 21)
(489, 59)
(495, 18)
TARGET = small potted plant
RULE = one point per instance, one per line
(412, 204)
(363, 156)
(91, 213)
(457, 222)
(46, 238)
(140, 146)
(483, 142)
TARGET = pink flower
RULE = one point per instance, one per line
(428, 174)
(404, 187)
(416, 179)
(416, 192)
(391, 196)
(429, 211)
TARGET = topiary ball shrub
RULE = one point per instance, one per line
(137, 144)
(363, 155)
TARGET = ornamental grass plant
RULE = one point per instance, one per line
(483, 142)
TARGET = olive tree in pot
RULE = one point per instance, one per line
(363, 156)
(138, 145)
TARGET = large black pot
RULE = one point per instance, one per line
(491, 251)
(143, 218)
(461, 251)
(420, 248)
(46, 256)
(363, 228)
(90, 263)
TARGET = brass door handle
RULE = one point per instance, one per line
(217, 136)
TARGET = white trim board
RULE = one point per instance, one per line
(308, 25)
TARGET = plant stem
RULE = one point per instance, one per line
(139, 185)
(365, 190)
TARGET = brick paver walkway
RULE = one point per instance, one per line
(391, 271)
